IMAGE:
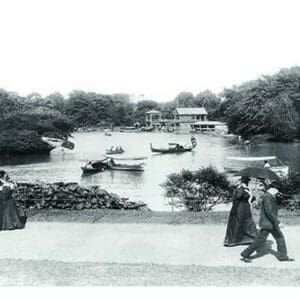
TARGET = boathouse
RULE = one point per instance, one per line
(184, 119)
(208, 126)
(153, 118)
(186, 116)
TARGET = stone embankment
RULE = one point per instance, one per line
(70, 196)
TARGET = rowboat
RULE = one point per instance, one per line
(235, 164)
(94, 166)
(114, 151)
(130, 129)
(128, 158)
(175, 147)
(107, 132)
(125, 167)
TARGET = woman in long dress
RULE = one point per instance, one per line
(10, 216)
(241, 229)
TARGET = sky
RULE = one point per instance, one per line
(154, 48)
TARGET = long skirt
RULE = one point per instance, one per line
(241, 229)
(12, 217)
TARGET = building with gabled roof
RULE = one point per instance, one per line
(184, 119)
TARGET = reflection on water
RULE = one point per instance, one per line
(24, 159)
(145, 186)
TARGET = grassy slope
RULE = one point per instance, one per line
(132, 216)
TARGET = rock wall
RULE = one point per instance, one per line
(69, 196)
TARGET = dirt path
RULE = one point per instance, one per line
(188, 245)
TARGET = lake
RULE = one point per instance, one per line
(144, 186)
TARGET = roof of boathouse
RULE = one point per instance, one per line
(191, 111)
(153, 111)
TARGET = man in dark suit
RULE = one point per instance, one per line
(269, 223)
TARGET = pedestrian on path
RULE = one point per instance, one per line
(11, 216)
(269, 223)
(241, 229)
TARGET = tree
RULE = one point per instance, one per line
(55, 100)
(184, 99)
(9, 102)
(34, 98)
(209, 101)
(267, 106)
(123, 110)
(198, 191)
(281, 118)
(167, 109)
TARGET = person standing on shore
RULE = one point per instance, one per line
(267, 164)
(241, 229)
(269, 223)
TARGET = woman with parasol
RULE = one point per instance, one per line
(241, 229)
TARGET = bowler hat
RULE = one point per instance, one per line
(275, 184)
(245, 179)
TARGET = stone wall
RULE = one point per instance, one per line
(69, 196)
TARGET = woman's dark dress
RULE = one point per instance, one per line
(241, 229)
(10, 217)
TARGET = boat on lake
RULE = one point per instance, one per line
(117, 150)
(107, 132)
(111, 164)
(175, 147)
(130, 129)
(94, 166)
(236, 164)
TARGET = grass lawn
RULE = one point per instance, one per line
(142, 216)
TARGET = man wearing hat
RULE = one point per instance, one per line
(269, 223)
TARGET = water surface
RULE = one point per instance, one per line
(144, 186)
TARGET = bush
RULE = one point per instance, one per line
(290, 192)
(22, 142)
(197, 191)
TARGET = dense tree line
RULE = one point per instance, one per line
(268, 106)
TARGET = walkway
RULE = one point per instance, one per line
(135, 243)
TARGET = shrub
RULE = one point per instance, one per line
(197, 191)
(290, 191)
(22, 142)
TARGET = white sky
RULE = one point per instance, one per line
(153, 47)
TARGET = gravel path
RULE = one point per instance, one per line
(136, 243)
(53, 273)
(117, 253)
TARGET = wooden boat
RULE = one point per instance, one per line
(239, 163)
(128, 158)
(130, 129)
(107, 132)
(112, 165)
(94, 166)
(175, 147)
(114, 151)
